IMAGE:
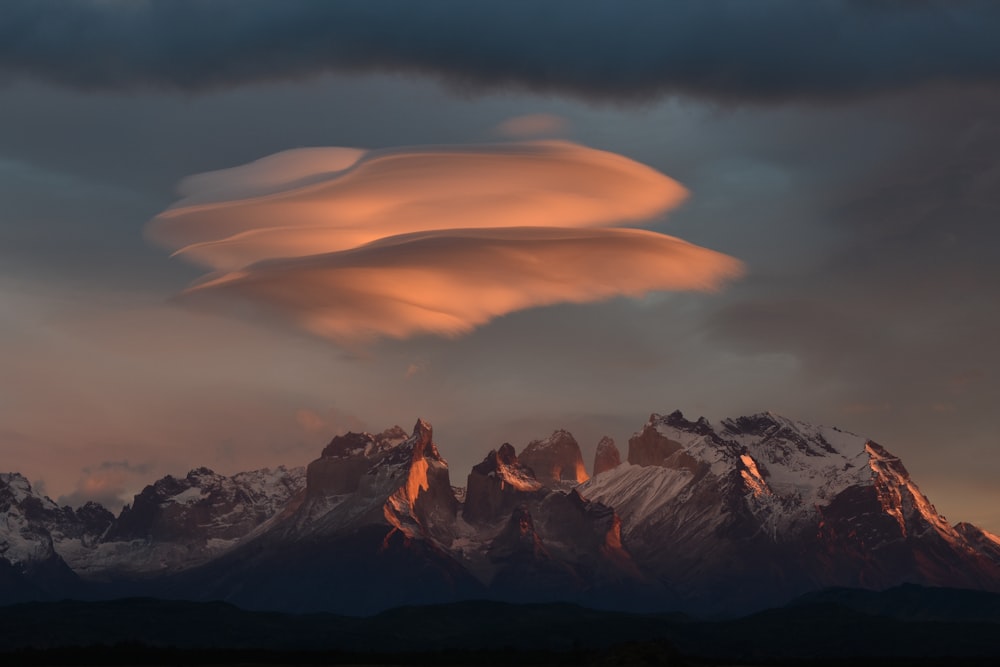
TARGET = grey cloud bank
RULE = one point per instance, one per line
(722, 49)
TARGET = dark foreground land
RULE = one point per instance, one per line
(903, 626)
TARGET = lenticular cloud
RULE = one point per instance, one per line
(353, 245)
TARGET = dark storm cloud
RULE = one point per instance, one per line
(604, 50)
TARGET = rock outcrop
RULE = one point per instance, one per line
(346, 459)
(607, 457)
(205, 505)
(424, 502)
(498, 485)
(556, 460)
(30, 567)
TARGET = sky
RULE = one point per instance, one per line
(729, 208)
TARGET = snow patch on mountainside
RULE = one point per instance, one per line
(639, 493)
(793, 459)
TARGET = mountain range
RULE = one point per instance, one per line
(718, 518)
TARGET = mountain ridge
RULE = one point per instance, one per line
(707, 516)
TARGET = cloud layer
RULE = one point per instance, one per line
(351, 245)
(304, 202)
(449, 282)
(722, 48)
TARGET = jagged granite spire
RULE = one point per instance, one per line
(607, 457)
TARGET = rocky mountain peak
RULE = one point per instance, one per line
(504, 465)
(205, 505)
(423, 502)
(352, 444)
(901, 499)
(423, 428)
(757, 424)
(14, 489)
(649, 447)
(607, 456)
(391, 436)
(555, 460)
(506, 455)
(94, 519)
(423, 442)
(676, 419)
(882, 459)
(349, 457)
(348, 445)
(419, 445)
(27, 521)
(498, 484)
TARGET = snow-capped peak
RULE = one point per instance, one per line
(795, 460)
(15, 489)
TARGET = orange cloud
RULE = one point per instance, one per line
(386, 193)
(451, 281)
(294, 168)
(351, 245)
(532, 125)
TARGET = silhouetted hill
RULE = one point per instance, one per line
(912, 623)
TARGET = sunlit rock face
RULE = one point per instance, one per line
(425, 503)
(984, 542)
(498, 485)
(607, 457)
(555, 460)
(389, 479)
